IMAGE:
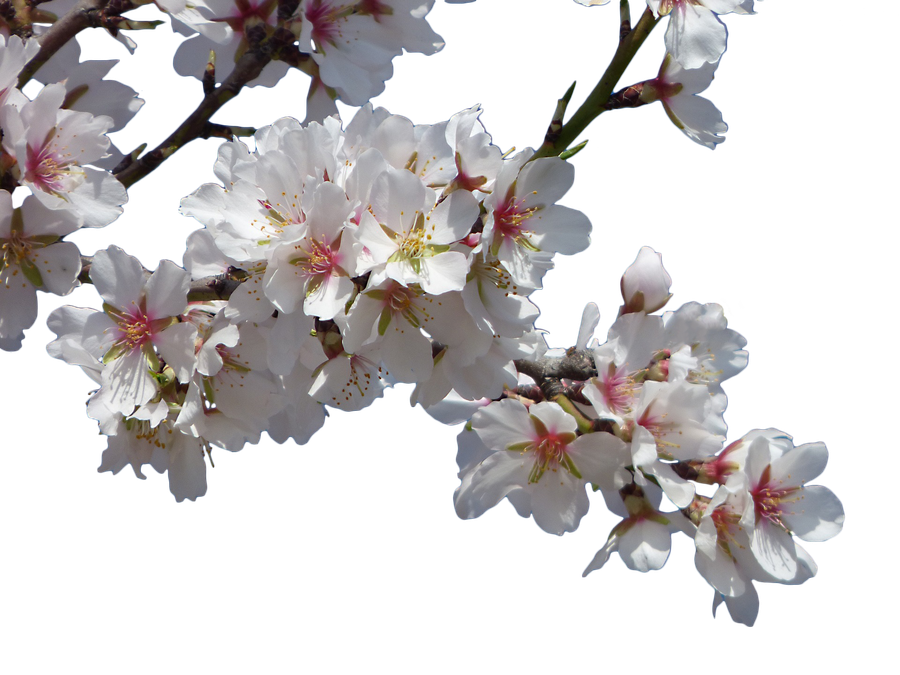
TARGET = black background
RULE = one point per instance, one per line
(367, 503)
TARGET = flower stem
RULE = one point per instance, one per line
(595, 105)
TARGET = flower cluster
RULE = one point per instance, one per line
(53, 146)
(649, 424)
(336, 261)
(384, 252)
(352, 42)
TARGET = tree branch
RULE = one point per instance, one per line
(596, 102)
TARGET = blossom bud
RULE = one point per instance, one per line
(645, 284)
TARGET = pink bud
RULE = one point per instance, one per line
(645, 284)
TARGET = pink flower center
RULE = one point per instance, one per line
(317, 259)
(135, 330)
(510, 218)
(324, 20)
(618, 389)
(249, 12)
(47, 171)
(769, 499)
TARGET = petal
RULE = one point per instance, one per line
(645, 546)
(490, 482)
(818, 514)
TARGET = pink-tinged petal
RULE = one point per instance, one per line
(645, 546)
(490, 482)
(816, 515)
(774, 550)
(118, 277)
(167, 290)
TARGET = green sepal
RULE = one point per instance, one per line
(539, 426)
(525, 243)
(384, 321)
(569, 466)
(314, 286)
(208, 390)
(32, 273)
(44, 239)
(113, 353)
(519, 447)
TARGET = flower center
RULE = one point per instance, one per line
(769, 499)
(317, 259)
(324, 20)
(47, 171)
(618, 389)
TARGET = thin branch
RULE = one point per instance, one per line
(624, 19)
(67, 27)
(596, 102)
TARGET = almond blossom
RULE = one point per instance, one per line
(536, 453)
(524, 226)
(695, 34)
(32, 258)
(52, 148)
(677, 88)
(140, 317)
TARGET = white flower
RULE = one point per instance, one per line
(783, 505)
(140, 316)
(537, 455)
(677, 88)
(353, 42)
(32, 258)
(52, 147)
(695, 34)
(643, 538)
(524, 226)
(409, 236)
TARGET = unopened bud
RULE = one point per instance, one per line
(645, 284)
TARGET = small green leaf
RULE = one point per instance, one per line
(571, 152)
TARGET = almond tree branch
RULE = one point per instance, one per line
(595, 105)
(67, 27)
(197, 124)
